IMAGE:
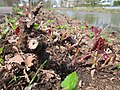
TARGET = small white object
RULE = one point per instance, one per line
(33, 43)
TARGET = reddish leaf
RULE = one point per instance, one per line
(96, 31)
(99, 45)
(49, 32)
(17, 31)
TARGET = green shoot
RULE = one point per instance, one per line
(14, 27)
(51, 21)
(108, 40)
(1, 50)
(36, 73)
(91, 34)
(15, 78)
(6, 30)
(36, 26)
(70, 81)
(17, 9)
(118, 66)
(82, 27)
(61, 27)
(0, 60)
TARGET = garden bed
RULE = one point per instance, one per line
(39, 48)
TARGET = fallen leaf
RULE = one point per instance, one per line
(29, 60)
(17, 31)
(17, 59)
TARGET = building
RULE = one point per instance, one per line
(107, 2)
(71, 3)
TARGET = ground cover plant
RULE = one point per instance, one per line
(43, 50)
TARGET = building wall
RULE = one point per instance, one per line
(108, 1)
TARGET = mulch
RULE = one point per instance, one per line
(66, 44)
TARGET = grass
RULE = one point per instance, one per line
(36, 73)
(15, 78)
(93, 9)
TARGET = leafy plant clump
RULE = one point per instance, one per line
(70, 81)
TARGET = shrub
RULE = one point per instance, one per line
(116, 3)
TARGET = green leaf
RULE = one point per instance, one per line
(51, 21)
(17, 9)
(118, 66)
(82, 27)
(10, 20)
(14, 27)
(91, 34)
(1, 50)
(0, 36)
(108, 40)
(59, 27)
(0, 60)
(70, 81)
(6, 30)
(36, 26)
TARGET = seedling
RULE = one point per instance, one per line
(51, 21)
(61, 27)
(82, 27)
(14, 27)
(1, 50)
(36, 26)
(10, 20)
(18, 10)
(108, 40)
(70, 81)
(118, 66)
(91, 34)
(0, 60)
(6, 30)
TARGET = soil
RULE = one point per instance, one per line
(68, 45)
